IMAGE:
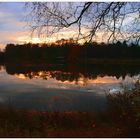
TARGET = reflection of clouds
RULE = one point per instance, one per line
(62, 82)
(50, 94)
(20, 76)
(99, 85)
(105, 79)
(98, 80)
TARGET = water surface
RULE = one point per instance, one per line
(51, 89)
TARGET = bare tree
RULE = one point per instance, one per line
(115, 20)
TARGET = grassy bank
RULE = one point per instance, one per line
(19, 123)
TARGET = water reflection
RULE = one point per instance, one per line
(67, 78)
(62, 87)
(77, 75)
(72, 73)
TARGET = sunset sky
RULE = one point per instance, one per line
(14, 27)
(12, 22)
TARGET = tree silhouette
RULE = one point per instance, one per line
(116, 20)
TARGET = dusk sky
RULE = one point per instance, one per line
(12, 22)
(14, 27)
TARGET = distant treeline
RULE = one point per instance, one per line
(64, 51)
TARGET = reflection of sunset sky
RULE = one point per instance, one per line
(97, 85)
(21, 76)
(82, 81)
(48, 95)
(99, 80)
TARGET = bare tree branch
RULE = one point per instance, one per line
(119, 20)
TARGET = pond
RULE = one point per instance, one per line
(62, 88)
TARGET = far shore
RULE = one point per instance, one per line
(108, 61)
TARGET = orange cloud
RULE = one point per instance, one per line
(22, 35)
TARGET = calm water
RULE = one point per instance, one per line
(61, 88)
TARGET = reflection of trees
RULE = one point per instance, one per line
(1, 57)
(58, 75)
(73, 73)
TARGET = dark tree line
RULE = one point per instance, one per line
(30, 59)
(68, 52)
(116, 50)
